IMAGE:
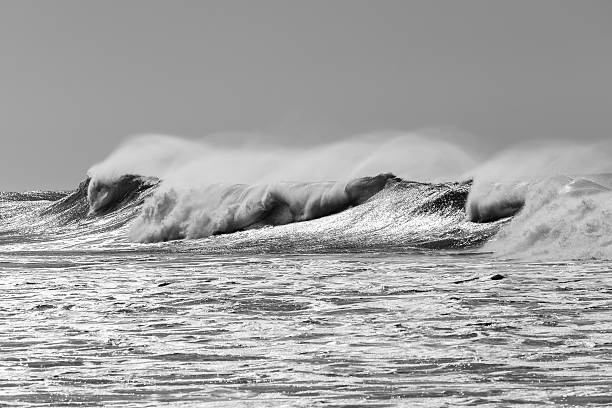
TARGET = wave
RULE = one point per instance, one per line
(382, 211)
(216, 209)
(198, 196)
(561, 217)
(66, 219)
(403, 215)
(557, 195)
(528, 211)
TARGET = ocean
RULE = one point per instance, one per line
(384, 292)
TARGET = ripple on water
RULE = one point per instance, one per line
(304, 330)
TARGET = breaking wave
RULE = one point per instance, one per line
(195, 213)
(558, 196)
(378, 212)
(175, 192)
(561, 218)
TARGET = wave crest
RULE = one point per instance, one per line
(173, 213)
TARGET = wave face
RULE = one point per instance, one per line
(67, 220)
(403, 215)
(367, 213)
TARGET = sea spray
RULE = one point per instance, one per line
(185, 162)
(562, 218)
(559, 193)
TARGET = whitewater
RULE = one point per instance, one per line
(389, 269)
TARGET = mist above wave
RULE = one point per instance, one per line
(181, 162)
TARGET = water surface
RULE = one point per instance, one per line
(153, 328)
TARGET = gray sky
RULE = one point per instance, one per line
(78, 76)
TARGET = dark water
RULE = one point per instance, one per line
(154, 328)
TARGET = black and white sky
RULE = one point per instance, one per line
(77, 77)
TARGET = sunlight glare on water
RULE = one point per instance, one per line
(415, 329)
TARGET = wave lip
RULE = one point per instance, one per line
(494, 202)
(105, 197)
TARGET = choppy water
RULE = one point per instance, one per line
(379, 329)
